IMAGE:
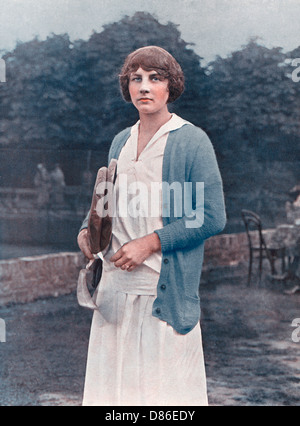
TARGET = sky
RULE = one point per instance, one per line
(216, 27)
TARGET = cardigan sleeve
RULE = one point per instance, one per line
(85, 223)
(209, 216)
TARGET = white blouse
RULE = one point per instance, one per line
(139, 198)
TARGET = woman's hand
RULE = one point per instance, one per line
(83, 244)
(135, 252)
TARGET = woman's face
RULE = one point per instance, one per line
(149, 91)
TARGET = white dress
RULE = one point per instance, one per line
(134, 358)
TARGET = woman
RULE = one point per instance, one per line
(145, 344)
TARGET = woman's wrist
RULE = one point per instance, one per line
(154, 242)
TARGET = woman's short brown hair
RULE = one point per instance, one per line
(153, 58)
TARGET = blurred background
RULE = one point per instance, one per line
(61, 106)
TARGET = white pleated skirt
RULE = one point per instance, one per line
(137, 359)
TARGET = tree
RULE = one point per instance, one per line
(63, 94)
(101, 58)
(255, 127)
(253, 87)
(37, 96)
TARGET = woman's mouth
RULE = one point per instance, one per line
(144, 100)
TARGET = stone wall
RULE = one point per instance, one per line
(230, 249)
(26, 279)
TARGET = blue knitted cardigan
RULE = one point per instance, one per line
(188, 157)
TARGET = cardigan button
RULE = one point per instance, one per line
(158, 311)
(166, 261)
(163, 287)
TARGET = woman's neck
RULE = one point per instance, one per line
(150, 123)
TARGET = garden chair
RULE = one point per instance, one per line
(257, 244)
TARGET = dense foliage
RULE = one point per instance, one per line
(63, 96)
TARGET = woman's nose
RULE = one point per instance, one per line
(144, 86)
